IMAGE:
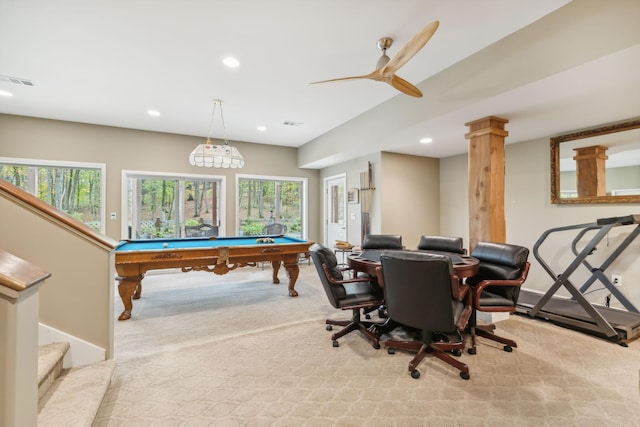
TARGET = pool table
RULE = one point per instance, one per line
(219, 255)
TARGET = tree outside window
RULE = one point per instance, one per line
(161, 207)
(266, 201)
(72, 189)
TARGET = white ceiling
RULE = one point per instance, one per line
(108, 62)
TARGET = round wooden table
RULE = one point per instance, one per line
(369, 260)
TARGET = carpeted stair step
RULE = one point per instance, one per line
(75, 397)
(49, 365)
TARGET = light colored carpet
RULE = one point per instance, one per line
(235, 350)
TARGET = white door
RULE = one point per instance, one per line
(336, 209)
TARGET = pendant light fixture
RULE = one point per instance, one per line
(217, 156)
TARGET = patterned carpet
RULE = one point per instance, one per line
(235, 350)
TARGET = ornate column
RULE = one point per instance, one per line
(486, 180)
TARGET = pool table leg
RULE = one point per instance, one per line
(292, 271)
(127, 287)
(276, 269)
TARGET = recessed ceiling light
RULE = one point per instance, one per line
(261, 128)
(426, 140)
(231, 62)
(153, 113)
(5, 93)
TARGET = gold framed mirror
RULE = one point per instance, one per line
(599, 165)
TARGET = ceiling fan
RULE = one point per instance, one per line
(386, 68)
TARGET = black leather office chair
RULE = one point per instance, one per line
(442, 243)
(381, 241)
(418, 294)
(502, 271)
(353, 294)
(446, 244)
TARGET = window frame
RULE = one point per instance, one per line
(71, 165)
(305, 198)
(137, 174)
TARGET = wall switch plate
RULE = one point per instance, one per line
(616, 279)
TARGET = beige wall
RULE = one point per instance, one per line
(405, 199)
(77, 298)
(529, 213)
(454, 197)
(127, 149)
(410, 197)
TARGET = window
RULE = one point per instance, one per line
(263, 201)
(77, 189)
(162, 206)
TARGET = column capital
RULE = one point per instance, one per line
(487, 125)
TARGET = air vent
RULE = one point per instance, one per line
(16, 80)
(290, 123)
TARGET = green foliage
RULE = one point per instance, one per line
(295, 226)
(252, 228)
(72, 190)
(263, 200)
(157, 198)
(76, 215)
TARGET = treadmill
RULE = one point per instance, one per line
(576, 312)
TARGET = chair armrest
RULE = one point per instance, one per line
(466, 296)
(464, 317)
(489, 282)
(458, 288)
(379, 276)
(343, 281)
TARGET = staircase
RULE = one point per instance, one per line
(69, 397)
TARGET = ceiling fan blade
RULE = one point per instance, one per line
(404, 86)
(373, 75)
(412, 47)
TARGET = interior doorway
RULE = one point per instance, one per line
(335, 201)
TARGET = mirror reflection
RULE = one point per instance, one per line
(600, 165)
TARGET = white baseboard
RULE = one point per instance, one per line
(80, 352)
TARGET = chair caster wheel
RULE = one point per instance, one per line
(507, 348)
(464, 375)
(336, 343)
(415, 374)
(471, 350)
(457, 353)
(376, 346)
(391, 351)
(367, 316)
(329, 328)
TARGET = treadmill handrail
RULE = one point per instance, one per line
(543, 237)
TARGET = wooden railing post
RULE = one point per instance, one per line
(19, 285)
